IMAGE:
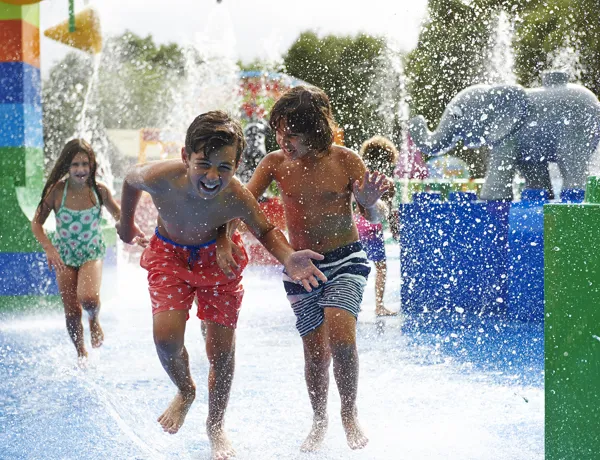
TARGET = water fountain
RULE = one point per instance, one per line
(478, 394)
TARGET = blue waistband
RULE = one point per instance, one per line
(183, 246)
(194, 249)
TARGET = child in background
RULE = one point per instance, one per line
(77, 248)
(379, 154)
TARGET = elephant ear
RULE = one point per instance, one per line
(503, 110)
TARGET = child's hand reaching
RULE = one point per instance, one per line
(225, 258)
(54, 260)
(131, 234)
(373, 186)
(299, 267)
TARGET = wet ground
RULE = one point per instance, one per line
(471, 394)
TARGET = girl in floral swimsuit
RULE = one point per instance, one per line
(77, 248)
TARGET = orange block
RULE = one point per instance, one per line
(19, 42)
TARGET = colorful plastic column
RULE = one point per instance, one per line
(572, 327)
(23, 269)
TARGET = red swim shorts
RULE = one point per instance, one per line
(178, 273)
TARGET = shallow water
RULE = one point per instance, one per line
(473, 395)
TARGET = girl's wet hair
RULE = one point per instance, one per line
(379, 154)
(305, 110)
(213, 130)
(63, 164)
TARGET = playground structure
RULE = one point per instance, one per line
(25, 276)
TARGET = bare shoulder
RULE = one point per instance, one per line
(344, 154)
(237, 197)
(273, 159)
(155, 176)
(104, 190)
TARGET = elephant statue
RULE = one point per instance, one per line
(255, 133)
(525, 130)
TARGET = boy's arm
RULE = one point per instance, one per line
(298, 264)
(263, 175)
(369, 191)
(142, 177)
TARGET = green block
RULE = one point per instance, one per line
(22, 163)
(572, 331)
(15, 226)
(28, 13)
(17, 304)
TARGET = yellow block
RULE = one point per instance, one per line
(87, 35)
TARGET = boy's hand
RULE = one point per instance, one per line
(225, 259)
(129, 233)
(373, 186)
(54, 260)
(299, 267)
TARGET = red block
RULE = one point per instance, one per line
(19, 42)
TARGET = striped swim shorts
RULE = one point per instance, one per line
(346, 269)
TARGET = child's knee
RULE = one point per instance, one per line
(89, 303)
(221, 358)
(343, 350)
(168, 347)
(319, 361)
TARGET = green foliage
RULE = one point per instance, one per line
(349, 70)
(133, 90)
(451, 54)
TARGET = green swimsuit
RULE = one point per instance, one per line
(78, 236)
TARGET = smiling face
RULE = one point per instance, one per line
(79, 170)
(211, 173)
(294, 145)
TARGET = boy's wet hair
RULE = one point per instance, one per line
(213, 130)
(305, 110)
(63, 164)
(379, 154)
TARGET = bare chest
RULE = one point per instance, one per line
(313, 185)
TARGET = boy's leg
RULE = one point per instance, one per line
(88, 293)
(169, 331)
(341, 326)
(317, 359)
(380, 279)
(220, 350)
(67, 285)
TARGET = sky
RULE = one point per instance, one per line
(244, 29)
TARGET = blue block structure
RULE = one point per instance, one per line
(20, 83)
(453, 258)
(526, 256)
(21, 125)
(464, 259)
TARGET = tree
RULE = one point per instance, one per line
(349, 70)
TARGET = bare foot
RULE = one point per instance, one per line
(354, 433)
(219, 443)
(385, 312)
(82, 360)
(96, 333)
(172, 419)
(316, 436)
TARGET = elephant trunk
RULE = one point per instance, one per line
(428, 143)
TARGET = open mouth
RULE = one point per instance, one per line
(208, 188)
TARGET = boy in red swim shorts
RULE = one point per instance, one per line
(195, 197)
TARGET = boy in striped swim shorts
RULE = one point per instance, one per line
(318, 181)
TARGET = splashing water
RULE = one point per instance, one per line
(500, 65)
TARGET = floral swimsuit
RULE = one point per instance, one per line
(78, 236)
